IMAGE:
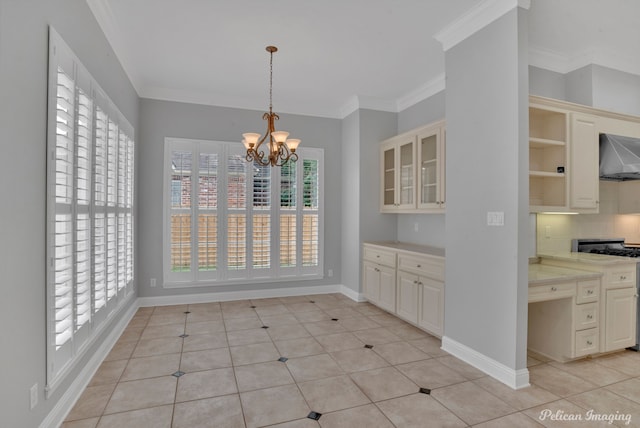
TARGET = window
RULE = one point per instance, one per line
(90, 174)
(228, 221)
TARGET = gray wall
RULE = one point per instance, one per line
(546, 83)
(160, 119)
(616, 90)
(375, 126)
(579, 86)
(23, 119)
(350, 206)
(422, 113)
(487, 156)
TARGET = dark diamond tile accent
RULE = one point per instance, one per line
(178, 373)
(368, 346)
(283, 359)
(334, 319)
(265, 326)
(252, 307)
(314, 415)
(187, 312)
(425, 391)
(183, 335)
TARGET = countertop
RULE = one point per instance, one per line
(404, 246)
(588, 258)
(544, 274)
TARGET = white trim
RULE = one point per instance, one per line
(515, 379)
(353, 295)
(64, 405)
(421, 93)
(476, 19)
(224, 296)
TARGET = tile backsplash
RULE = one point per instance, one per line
(554, 232)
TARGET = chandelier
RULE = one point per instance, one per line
(281, 149)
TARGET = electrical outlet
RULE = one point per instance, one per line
(330, 273)
(415, 227)
(33, 395)
(152, 282)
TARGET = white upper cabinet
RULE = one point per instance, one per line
(431, 161)
(397, 161)
(584, 155)
(412, 171)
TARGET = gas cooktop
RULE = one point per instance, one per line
(609, 247)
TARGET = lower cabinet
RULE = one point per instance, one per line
(408, 296)
(410, 285)
(380, 285)
(563, 319)
(431, 316)
(620, 319)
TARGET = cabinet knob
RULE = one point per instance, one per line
(589, 317)
(554, 289)
(416, 282)
(419, 266)
(589, 342)
(589, 291)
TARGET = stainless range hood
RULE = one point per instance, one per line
(619, 158)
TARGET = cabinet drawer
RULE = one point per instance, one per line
(540, 293)
(586, 316)
(587, 342)
(588, 291)
(620, 277)
(425, 266)
(374, 254)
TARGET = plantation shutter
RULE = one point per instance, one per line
(89, 210)
(267, 226)
(63, 239)
(236, 243)
(99, 217)
(207, 225)
(260, 233)
(288, 218)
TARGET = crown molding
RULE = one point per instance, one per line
(476, 19)
(421, 93)
(560, 63)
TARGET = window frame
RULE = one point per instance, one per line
(249, 275)
(88, 319)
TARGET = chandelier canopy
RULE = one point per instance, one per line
(281, 149)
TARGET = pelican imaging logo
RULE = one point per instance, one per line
(588, 416)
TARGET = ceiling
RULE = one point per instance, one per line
(336, 55)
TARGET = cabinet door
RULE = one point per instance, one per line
(371, 282)
(406, 174)
(388, 200)
(430, 169)
(620, 319)
(584, 166)
(387, 281)
(431, 313)
(407, 297)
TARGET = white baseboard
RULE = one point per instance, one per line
(223, 296)
(515, 379)
(353, 295)
(57, 415)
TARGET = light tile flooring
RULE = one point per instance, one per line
(216, 365)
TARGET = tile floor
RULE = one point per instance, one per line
(277, 361)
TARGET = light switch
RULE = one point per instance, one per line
(495, 218)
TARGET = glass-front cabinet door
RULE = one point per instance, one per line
(431, 168)
(398, 188)
(407, 185)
